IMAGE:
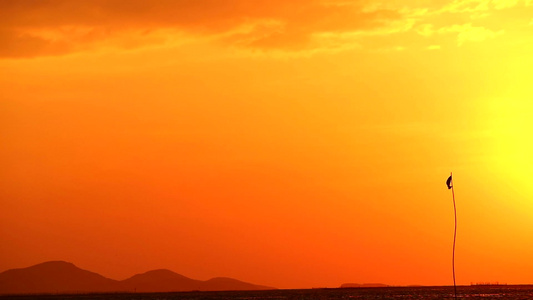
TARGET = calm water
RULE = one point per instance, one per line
(495, 292)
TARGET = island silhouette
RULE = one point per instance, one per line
(60, 277)
(362, 285)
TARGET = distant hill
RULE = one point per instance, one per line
(53, 277)
(168, 281)
(63, 277)
(362, 285)
(229, 284)
(160, 281)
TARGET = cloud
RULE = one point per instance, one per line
(501, 4)
(477, 6)
(34, 28)
(55, 27)
(461, 6)
(425, 30)
(469, 33)
(17, 45)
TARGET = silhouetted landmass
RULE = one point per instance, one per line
(362, 285)
(229, 284)
(51, 277)
(160, 280)
(63, 277)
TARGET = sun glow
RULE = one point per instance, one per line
(511, 128)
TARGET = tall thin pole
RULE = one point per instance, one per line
(454, 237)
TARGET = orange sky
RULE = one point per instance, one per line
(294, 144)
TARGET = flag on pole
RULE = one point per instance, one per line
(449, 182)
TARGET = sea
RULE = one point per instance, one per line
(500, 292)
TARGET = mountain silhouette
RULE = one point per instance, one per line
(362, 285)
(63, 277)
(160, 280)
(53, 277)
(229, 284)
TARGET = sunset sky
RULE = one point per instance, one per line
(294, 144)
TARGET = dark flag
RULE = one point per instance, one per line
(449, 182)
